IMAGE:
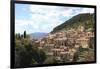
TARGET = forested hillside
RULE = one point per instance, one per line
(84, 19)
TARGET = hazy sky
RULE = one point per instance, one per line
(41, 18)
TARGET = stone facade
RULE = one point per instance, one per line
(63, 45)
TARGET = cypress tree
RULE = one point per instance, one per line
(24, 34)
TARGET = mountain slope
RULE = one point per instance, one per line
(38, 35)
(86, 20)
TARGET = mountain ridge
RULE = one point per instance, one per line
(84, 19)
(38, 35)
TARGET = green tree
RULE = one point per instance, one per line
(23, 56)
(50, 60)
(76, 56)
(17, 36)
(42, 56)
(27, 54)
(25, 34)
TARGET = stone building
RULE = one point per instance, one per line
(63, 45)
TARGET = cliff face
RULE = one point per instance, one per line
(86, 20)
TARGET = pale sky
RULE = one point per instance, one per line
(43, 18)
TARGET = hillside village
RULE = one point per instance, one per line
(72, 41)
(64, 45)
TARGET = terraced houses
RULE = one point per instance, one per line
(64, 44)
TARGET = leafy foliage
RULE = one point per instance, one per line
(24, 34)
(50, 60)
(84, 55)
(26, 53)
